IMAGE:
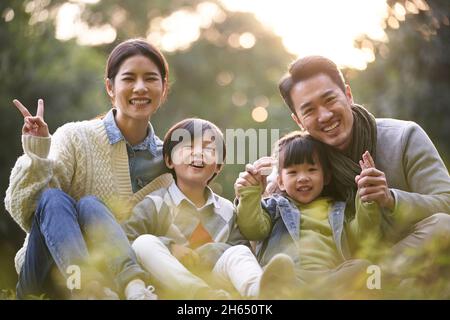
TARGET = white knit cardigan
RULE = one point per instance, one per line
(79, 160)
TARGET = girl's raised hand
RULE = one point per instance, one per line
(34, 126)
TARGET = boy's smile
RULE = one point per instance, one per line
(194, 162)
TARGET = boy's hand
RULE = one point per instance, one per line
(254, 175)
(188, 257)
(372, 184)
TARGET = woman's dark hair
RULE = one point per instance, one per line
(191, 128)
(305, 68)
(133, 47)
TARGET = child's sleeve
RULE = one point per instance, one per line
(253, 221)
(367, 221)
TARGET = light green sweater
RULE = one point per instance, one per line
(317, 248)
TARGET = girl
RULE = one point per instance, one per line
(303, 221)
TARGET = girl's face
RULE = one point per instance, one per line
(194, 162)
(303, 182)
(137, 89)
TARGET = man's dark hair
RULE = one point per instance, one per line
(305, 68)
(299, 147)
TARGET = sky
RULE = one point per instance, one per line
(324, 27)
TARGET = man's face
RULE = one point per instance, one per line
(324, 110)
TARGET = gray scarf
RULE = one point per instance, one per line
(345, 165)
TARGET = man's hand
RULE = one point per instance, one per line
(372, 184)
(188, 257)
(254, 175)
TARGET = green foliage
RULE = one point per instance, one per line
(33, 64)
(7, 294)
(412, 81)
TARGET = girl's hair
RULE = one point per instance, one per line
(190, 128)
(134, 47)
(299, 147)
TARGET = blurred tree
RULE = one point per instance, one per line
(33, 64)
(223, 84)
(410, 77)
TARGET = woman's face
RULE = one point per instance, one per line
(137, 90)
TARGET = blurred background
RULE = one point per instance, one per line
(226, 57)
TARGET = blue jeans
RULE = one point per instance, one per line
(63, 233)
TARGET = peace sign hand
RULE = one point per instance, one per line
(34, 126)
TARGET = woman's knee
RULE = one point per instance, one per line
(53, 199)
(88, 203)
(91, 208)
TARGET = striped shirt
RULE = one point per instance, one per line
(170, 215)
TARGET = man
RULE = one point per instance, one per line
(410, 182)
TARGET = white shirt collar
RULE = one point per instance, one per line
(177, 196)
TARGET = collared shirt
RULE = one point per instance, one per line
(145, 159)
(188, 215)
(168, 214)
(178, 196)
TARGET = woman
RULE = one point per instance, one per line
(117, 159)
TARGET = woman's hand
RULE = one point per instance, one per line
(34, 126)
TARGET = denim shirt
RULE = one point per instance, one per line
(286, 229)
(145, 159)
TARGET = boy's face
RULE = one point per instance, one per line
(195, 162)
(303, 182)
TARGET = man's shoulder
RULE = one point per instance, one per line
(397, 129)
(389, 123)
